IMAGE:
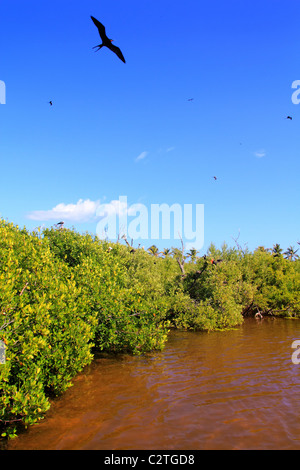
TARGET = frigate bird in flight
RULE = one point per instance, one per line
(106, 41)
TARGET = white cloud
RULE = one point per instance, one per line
(260, 153)
(141, 156)
(82, 211)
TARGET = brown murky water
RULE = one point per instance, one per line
(224, 390)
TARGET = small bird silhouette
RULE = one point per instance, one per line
(50, 102)
(289, 117)
(214, 177)
(59, 224)
(106, 41)
(191, 99)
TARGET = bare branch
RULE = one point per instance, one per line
(132, 250)
(23, 288)
(6, 324)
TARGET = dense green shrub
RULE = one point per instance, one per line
(63, 294)
(47, 332)
(213, 297)
(277, 283)
(121, 288)
(239, 283)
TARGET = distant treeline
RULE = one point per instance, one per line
(65, 295)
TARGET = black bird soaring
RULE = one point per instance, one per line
(50, 102)
(289, 117)
(106, 41)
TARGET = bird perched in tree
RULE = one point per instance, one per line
(215, 261)
(106, 41)
(289, 117)
(60, 225)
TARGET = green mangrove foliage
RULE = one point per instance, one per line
(65, 295)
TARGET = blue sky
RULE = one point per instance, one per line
(129, 130)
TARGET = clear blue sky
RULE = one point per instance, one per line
(120, 129)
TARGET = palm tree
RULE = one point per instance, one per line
(166, 252)
(277, 251)
(192, 254)
(153, 250)
(291, 253)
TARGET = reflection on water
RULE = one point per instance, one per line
(224, 390)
